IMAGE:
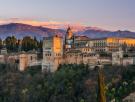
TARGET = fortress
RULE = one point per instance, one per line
(72, 49)
(80, 49)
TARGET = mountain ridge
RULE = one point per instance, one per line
(20, 30)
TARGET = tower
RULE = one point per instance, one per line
(69, 39)
(52, 53)
(23, 61)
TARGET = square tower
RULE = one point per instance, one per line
(52, 53)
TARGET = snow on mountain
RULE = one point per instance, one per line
(20, 30)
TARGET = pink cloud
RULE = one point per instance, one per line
(49, 24)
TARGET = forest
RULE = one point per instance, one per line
(70, 83)
(12, 44)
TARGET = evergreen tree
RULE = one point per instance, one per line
(29, 43)
(40, 45)
(1, 44)
(11, 44)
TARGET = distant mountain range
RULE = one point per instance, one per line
(20, 30)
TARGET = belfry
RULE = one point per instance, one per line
(69, 39)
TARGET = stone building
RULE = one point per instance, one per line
(128, 61)
(22, 59)
(111, 44)
(129, 98)
(2, 58)
(72, 50)
(52, 53)
(81, 49)
(3, 51)
(122, 58)
(117, 57)
(69, 40)
(26, 59)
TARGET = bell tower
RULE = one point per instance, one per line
(69, 39)
(69, 34)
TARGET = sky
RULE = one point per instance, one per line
(106, 14)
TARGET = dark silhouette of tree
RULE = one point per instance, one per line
(70, 83)
(29, 43)
(11, 44)
(1, 43)
(40, 45)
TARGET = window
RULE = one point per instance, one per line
(30, 57)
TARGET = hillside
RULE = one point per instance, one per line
(20, 30)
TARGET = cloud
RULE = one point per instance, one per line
(17, 20)
(49, 24)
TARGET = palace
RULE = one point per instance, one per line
(111, 44)
(80, 49)
(74, 49)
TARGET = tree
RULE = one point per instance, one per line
(1, 44)
(29, 43)
(11, 44)
(101, 86)
(36, 43)
(40, 45)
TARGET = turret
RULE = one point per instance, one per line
(69, 39)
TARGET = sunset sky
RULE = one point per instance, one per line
(106, 14)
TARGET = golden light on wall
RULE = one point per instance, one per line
(70, 35)
(128, 41)
(57, 42)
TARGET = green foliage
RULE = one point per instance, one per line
(11, 44)
(1, 45)
(26, 44)
(70, 83)
(65, 85)
(40, 45)
(33, 70)
(29, 43)
(124, 86)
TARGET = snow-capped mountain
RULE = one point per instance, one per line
(20, 30)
